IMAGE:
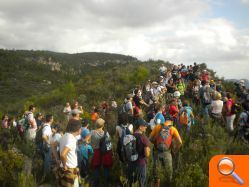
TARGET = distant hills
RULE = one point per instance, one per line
(237, 80)
(31, 73)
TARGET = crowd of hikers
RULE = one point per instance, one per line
(151, 123)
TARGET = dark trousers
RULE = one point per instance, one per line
(97, 176)
(136, 173)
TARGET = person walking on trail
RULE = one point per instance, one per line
(31, 133)
(185, 113)
(102, 156)
(205, 75)
(181, 87)
(69, 171)
(195, 92)
(137, 170)
(76, 108)
(163, 70)
(230, 113)
(47, 140)
(85, 152)
(243, 123)
(216, 108)
(95, 115)
(138, 102)
(205, 93)
(159, 118)
(5, 119)
(55, 143)
(162, 136)
(67, 110)
(171, 88)
(122, 129)
(127, 106)
(39, 120)
(173, 110)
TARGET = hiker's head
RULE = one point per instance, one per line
(56, 128)
(74, 126)
(203, 82)
(100, 123)
(129, 97)
(5, 117)
(75, 113)
(170, 81)
(39, 116)
(154, 84)
(49, 118)
(229, 95)
(218, 96)
(67, 104)
(123, 119)
(141, 124)
(158, 107)
(85, 122)
(168, 120)
(32, 108)
(75, 105)
(173, 101)
(177, 94)
(185, 103)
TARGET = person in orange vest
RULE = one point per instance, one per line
(163, 136)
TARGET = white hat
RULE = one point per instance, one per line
(177, 94)
(242, 81)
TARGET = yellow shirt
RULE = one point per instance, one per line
(173, 131)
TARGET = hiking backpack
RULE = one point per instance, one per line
(105, 143)
(24, 122)
(183, 117)
(207, 96)
(120, 146)
(164, 139)
(38, 138)
(235, 109)
(129, 148)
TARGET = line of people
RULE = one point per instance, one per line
(162, 105)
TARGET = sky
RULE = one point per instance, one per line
(215, 32)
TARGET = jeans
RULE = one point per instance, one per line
(138, 173)
(47, 161)
(97, 176)
(230, 120)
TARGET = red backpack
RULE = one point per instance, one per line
(164, 138)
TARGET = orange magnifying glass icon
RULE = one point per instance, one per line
(226, 167)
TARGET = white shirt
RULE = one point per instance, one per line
(162, 69)
(217, 106)
(119, 129)
(69, 141)
(67, 111)
(47, 131)
(56, 138)
(32, 120)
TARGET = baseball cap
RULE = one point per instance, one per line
(141, 122)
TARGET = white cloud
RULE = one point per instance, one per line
(160, 29)
(245, 1)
